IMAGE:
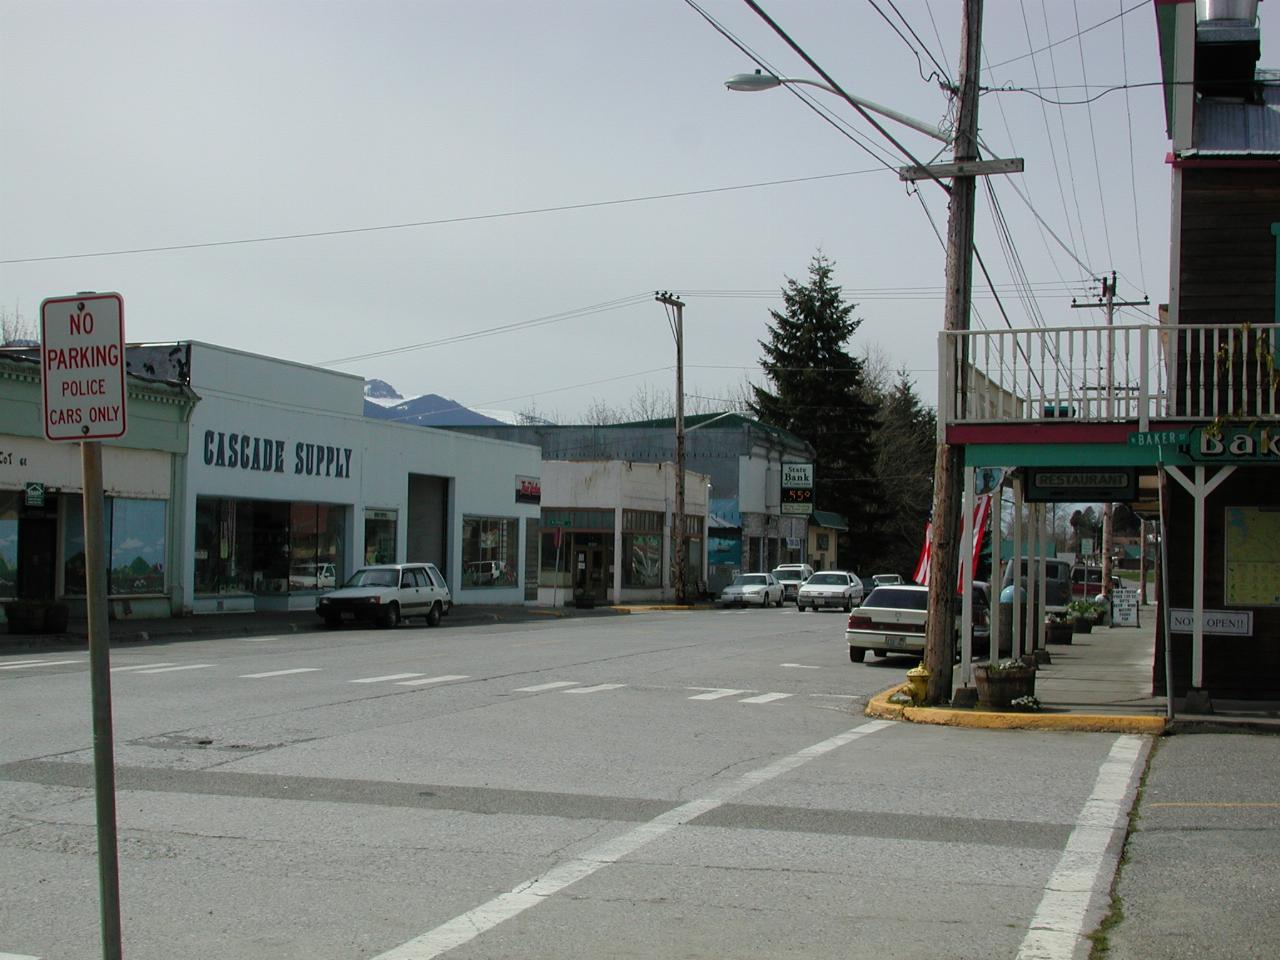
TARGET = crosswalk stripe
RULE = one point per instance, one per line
(38, 663)
(18, 663)
(190, 666)
(140, 666)
(715, 693)
(766, 698)
(426, 680)
(548, 686)
(597, 688)
(277, 673)
(17, 956)
(390, 676)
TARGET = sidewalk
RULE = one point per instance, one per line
(1100, 681)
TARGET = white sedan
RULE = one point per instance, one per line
(830, 588)
(754, 589)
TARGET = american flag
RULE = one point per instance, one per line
(981, 514)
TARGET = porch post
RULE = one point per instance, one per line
(966, 578)
(1015, 633)
(997, 576)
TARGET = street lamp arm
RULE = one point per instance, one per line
(752, 82)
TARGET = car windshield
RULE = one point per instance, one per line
(749, 580)
(837, 579)
(788, 575)
(374, 578)
(898, 597)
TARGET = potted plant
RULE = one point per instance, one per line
(1001, 683)
(1084, 614)
(1058, 628)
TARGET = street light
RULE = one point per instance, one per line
(753, 82)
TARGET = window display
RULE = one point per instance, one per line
(8, 545)
(490, 548)
(134, 532)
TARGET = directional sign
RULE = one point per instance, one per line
(1160, 438)
(83, 366)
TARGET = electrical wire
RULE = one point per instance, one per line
(1143, 4)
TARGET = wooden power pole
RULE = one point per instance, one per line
(677, 516)
(948, 475)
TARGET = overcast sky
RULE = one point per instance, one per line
(551, 157)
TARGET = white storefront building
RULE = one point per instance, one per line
(290, 488)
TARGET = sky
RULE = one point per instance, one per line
(481, 198)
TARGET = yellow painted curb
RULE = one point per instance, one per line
(880, 708)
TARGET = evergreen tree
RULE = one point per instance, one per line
(905, 444)
(819, 394)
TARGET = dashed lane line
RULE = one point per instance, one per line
(189, 666)
(597, 688)
(278, 673)
(715, 693)
(134, 667)
(766, 698)
(17, 956)
(390, 676)
(38, 663)
(555, 684)
(426, 680)
(801, 666)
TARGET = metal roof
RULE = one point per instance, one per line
(1226, 128)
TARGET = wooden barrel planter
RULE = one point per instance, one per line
(1082, 625)
(998, 688)
(1058, 631)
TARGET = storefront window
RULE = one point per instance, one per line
(261, 546)
(8, 545)
(315, 542)
(134, 533)
(641, 548)
(379, 536)
(490, 547)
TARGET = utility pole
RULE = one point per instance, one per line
(948, 467)
(676, 318)
(1109, 303)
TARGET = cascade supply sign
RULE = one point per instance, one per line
(797, 489)
(82, 366)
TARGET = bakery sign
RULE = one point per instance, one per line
(528, 490)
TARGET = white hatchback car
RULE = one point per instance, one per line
(752, 589)
(830, 588)
(386, 594)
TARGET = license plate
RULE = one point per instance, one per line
(895, 642)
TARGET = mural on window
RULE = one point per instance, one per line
(642, 548)
(8, 545)
(134, 531)
(490, 548)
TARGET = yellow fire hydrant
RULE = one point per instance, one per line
(918, 681)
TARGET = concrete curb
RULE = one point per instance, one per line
(880, 708)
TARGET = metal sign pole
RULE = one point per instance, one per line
(95, 574)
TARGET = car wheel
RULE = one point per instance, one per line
(433, 615)
(856, 654)
(799, 606)
(780, 600)
(392, 617)
(848, 606)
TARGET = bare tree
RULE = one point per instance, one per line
(15, 327)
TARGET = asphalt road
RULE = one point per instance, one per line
(671, 785)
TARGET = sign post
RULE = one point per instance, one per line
(82, 367)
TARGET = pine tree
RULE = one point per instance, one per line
(905, 443)
(820, 395)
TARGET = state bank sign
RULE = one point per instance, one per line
(83, 366)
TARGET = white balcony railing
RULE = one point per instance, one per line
(1102, 374)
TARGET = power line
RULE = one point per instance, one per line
(1143, 4)
(586, 205)
(1093, 138)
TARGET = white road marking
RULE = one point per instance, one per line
(140, 666)
(597, 688)
(444, 679)
(766, 698)
(190, 666)
(17, 956)
(715, 693)
(801, 666)
(390, 676)
(1058, 925)
(278, 673)
(38, 663)
(548, 686)
(258, 639)
(465, 928)
(18, 663)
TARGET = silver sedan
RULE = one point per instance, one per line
(752, 589)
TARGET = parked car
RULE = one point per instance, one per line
(886, 579)
(892, 620)
(791, 576)
(486, 573)
(1057, 577)
(830, 588)
(754, 589)
(1086, 582)
(387, 593)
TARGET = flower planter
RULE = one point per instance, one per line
(997, 689)
(1081, 625)
(1058, 632)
